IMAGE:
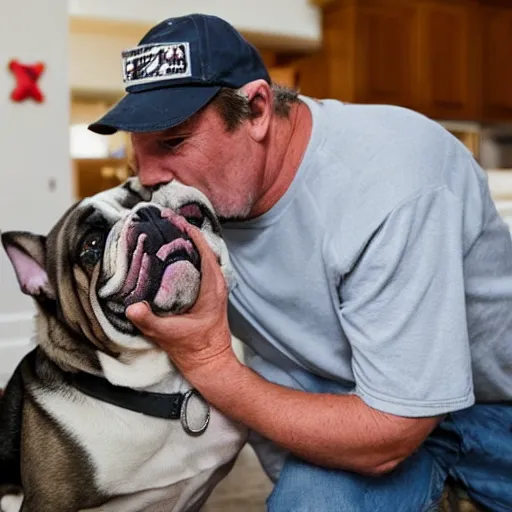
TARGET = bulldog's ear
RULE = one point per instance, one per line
(27, 253)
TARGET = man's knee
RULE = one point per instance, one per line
(416, 485)
(304, 487)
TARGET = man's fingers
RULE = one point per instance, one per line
(155, 327)
(200, 242)
(212, 279)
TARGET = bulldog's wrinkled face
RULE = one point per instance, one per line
(119, 247)
(141, 249)
(146, 256)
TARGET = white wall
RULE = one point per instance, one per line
(33, 148)
(100, 30)
(286, 18)
(95, 61)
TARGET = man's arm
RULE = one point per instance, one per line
(329, 430)
(338, 431)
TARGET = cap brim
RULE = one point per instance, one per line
(154, 110)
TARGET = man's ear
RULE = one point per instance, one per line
(261, 102)
(27, 253)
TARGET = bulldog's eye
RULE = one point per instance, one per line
(192, 214)
(91, 249)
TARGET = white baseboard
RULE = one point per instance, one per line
(17, 325)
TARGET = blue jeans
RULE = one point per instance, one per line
(472, 447)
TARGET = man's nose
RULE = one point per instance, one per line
(153, 176)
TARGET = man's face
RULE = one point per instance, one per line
(224, 165)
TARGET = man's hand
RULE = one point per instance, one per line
(201, 336)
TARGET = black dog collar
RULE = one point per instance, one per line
(171, 406)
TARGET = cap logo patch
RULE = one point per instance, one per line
(154, 62)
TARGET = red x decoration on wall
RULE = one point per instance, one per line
(26, 81)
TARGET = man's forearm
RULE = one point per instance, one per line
(328, 430)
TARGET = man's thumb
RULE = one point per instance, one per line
(140, 315)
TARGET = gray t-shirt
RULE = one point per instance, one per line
(385, 266)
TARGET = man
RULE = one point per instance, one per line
(373, 279)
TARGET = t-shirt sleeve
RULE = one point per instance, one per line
(403, 311)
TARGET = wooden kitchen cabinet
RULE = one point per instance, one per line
(496, 37)
(369, 53)
(386, 52)
(448, 72)
(420, 54)
(284, 75)
(94, 175)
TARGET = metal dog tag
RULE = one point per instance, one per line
(183, 414)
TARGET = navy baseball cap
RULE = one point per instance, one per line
(176, 69)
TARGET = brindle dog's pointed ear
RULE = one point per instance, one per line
(27, 253)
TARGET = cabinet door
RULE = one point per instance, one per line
(496, 24)
(93, 175)
(448, 76)
(386, 53)
(284, 75)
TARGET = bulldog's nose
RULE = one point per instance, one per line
(149, 214)
(156, 224)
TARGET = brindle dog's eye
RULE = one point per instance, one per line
(91, 249)
(192, 214)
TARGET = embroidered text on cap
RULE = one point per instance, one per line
(155, 62)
